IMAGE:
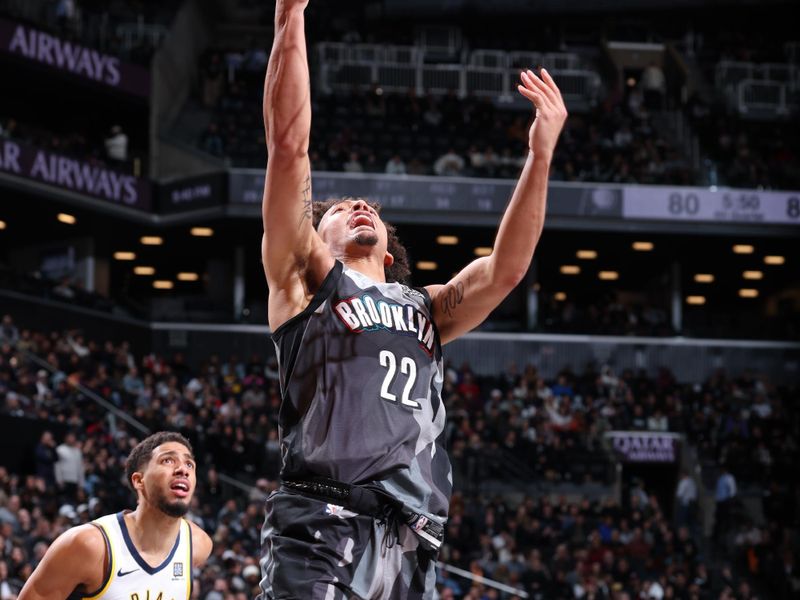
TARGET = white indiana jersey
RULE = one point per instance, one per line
(129, 577)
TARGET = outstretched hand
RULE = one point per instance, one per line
(551, 113)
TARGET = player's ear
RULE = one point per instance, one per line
(137, 481)
(388, 259)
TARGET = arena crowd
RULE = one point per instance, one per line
(549, 546)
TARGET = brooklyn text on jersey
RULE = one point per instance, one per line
(364, 313)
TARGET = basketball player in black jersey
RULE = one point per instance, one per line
(365, 481)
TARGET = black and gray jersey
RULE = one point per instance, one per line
(361, 379)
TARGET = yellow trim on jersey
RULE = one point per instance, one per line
(189, 561)
(110, 564)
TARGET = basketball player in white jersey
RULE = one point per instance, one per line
(146, 554)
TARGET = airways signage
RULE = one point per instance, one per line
(74, 175)
(46, 49)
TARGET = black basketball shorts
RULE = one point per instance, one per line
(313, 550)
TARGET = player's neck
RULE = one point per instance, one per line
(366, 265)
(151, 530)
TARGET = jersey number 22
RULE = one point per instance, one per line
(407, 367)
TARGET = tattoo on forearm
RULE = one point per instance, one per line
(452, 296)
(308, 204)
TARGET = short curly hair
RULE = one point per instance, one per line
(143, 451)
(399, 271)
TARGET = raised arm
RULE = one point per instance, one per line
(295, 260)
(464, 302)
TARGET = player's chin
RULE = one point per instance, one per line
(366, 238)
(175, 508)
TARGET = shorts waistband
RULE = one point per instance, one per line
(367, 501)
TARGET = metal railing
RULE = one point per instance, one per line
(763, 88)
(134, 35)
(757, 96)
(481, 580)
(438, 79)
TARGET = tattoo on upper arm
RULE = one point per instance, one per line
(452, 296)
(308, 203)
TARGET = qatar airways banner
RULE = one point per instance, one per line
(645, 446)
(22, 160)
(41, 47)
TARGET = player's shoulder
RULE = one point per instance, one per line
(87, 540)
(201, 544)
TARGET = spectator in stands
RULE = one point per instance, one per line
(318, 163)
(8, 331)
(255, 59)
(449, 164)
(10, 130)
(432, 115)
(395, 166)
(686, 495)
(213, 75)
(635, 102)
(371, 164)
(211, 140)
(353, 164)
(657, 421)
(654, 86)
(66, 16)
(63, 289)
(69, 471)
(46, 458)
(117, 145)
(515, 531)
(477, 162)
(724, 497)
(510, 163)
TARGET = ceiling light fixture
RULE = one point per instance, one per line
(427, 265)
(447, 240)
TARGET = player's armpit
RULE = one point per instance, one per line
(76, 559)
(468, 298)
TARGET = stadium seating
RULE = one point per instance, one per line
(550, 546)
